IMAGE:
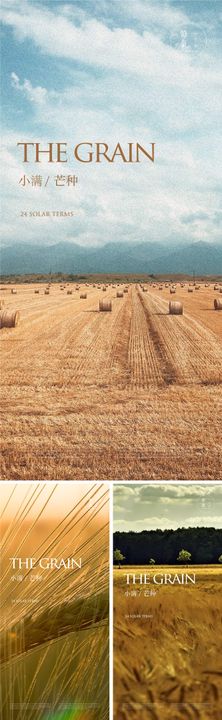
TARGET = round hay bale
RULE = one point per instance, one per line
(46, 292)
(172, 291)
(125, 290)
(9, 318)
(217, 304)
(36, 292)
(13, 291)
(160, 287)
(105, 306)
(190, 289)
(119, 294)
(104, 289)
(83, 296)
(216, 287)
(175, 307)
(69, 292)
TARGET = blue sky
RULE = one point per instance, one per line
(104, 70)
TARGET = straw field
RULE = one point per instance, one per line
(167, 648)
(135, 393)
(54, 622)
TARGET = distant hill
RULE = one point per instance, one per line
(202, 258)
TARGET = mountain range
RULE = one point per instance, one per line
(201, 258)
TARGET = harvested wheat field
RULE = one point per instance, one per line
(133, 393)
(167, 648)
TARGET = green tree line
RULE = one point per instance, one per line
(204, 544)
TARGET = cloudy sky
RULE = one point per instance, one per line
(110, 71)
(148, 507)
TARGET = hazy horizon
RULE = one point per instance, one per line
(74, 241)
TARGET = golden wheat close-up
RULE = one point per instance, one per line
(54, 620)
(167, 647)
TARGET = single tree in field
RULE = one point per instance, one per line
(118, 557)
(184, 556)
(220, 559)
(152, 561)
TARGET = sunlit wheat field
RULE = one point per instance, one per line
(54, 622)
(167, 646)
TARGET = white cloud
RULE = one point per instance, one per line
(204, 521)
(162, 15)
(123, 491)
(94, 43)
(168, 492)
(34, 94)
(165, 523)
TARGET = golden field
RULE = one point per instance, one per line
(168, 666)
(132, 394)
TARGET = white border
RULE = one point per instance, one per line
(111, 602)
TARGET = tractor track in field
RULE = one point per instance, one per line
(168, 369)
(120, 369)
(195, 352)
(144, 359)
(139, 356)
(136, 360)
